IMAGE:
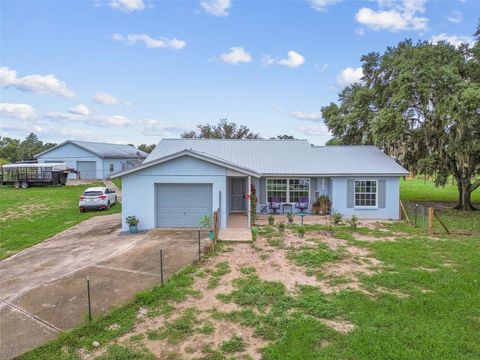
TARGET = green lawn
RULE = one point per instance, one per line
(429, 306)
(118, 182)
(30, 216)
(420, 190)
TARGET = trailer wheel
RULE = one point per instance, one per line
(24, 184)
(16, 184)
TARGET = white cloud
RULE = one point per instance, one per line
(455, 17)
(79, 110)
(156, 127)
(394, 15)
(54, 115)
(40, 84)
(349, 76)
(322, 67)
(104, 98)
(235, 56)
(360, 31)
(103, 120)
(455, 40)
(127, 5)
(114, 120)
(305, 115)
(150, 42)
(315, 130)
(321, 5)
(17, 111)
(216, 7)
(293, 60)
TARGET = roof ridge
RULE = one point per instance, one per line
(212, 139)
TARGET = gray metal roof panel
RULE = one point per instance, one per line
(103, 150)
(286, 156)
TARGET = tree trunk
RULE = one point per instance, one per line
(465, 190)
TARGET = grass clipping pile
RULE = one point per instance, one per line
(243, 299)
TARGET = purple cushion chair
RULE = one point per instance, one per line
(275, 204)
(302, 203)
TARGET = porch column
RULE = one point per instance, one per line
(249, 202)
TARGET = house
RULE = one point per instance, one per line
(185, 179)
(92, 159)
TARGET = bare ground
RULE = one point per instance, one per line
(271, 263)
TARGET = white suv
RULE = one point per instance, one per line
(97, 198)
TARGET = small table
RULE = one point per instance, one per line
(283, 207)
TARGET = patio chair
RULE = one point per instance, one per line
(302, 203)
(275, 204)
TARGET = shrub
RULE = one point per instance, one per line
(322, 205)
(336, 217)
(353, 221)
(281, 227)
(301, 231)
(254, 233)
(290, 216)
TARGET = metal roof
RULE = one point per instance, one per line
(286, 157)
(103, 150)
(192, 153)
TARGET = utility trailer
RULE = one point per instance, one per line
(25, 175)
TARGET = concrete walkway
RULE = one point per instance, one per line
(235, 235)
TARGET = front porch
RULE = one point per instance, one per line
(262, 219)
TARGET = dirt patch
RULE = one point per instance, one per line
(370, 238)
(28, 209)
(339, 325)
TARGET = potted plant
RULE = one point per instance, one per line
(290, 216)
(271, 220)
(205, 223)
(301, 232)
(281, 227)
(132, 222)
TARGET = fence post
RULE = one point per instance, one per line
(416, 214)
(88, 296)
(161, 266)
(431, 213)
(199, 247)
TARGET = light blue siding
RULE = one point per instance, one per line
(138, 188)
(70, 154)
(391, 201)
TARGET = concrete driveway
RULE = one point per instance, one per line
(43, 288)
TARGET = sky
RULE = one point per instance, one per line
(136, 71)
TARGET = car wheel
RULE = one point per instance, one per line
(24, 184)
(16, 184)
(82, 210)
(108, 206)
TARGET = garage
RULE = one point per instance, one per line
(182, 205)
(87, 169)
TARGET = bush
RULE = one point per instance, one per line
(254, 233)
(353, 221)
(281, 227)
(322, 205)
(337, 218)
(271, 220)
(301, 231)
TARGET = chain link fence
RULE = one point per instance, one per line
(417, 214)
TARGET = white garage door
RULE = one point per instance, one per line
(87, 169)
(182, 205)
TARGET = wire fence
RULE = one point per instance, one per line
(66, 302)
(417, 214)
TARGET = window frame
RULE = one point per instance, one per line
(111, 167)
(287, 197)
(355, 206)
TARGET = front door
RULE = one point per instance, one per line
(237, 194)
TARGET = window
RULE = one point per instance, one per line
(365, 193)
(277, 188)
(111, 167)
(288, 190)
(298, 190)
